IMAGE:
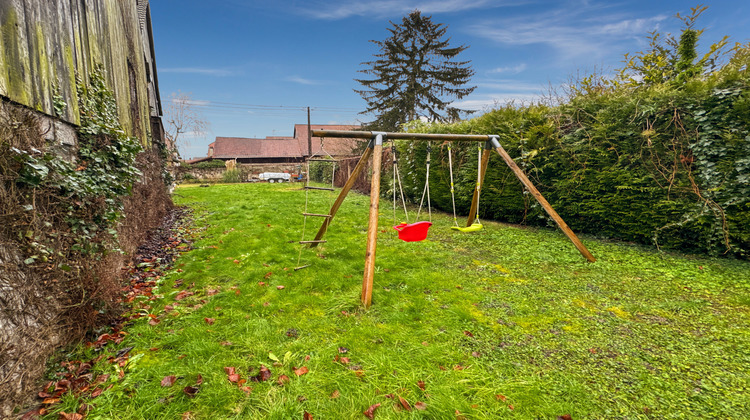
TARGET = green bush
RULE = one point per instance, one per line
(231, 176)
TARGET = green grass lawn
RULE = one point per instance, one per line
(507, 322)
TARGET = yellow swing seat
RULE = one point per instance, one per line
(473, 228)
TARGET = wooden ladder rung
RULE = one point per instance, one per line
(320, 188)
(321, 160)
(312, 242)
(316, 215)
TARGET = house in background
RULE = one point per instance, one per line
(279, 154)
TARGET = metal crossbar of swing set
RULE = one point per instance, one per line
(400, 136)
(375, 149)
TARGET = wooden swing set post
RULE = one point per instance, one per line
(361, 165)
(480, 183)
(372, 226)
(538, 196)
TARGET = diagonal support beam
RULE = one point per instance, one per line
(361, 165)
(538, 196)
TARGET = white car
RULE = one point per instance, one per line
(275, 177)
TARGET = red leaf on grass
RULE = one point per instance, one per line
(344, 360)
(209, 321)
(268, 275)
(280, 287)
(565, 417)
(236, 261)
(263, 375)
(234, 377)
(335, 394)
(307, 416)
(404, 403)
(183, 294)
(191, 391)
(468, 334)
(421, 385)
(168, 380)
(261, 283)
(370, 412)
(230, 370)
(419, 405)
(246, 389)
(283, 379)
(301, 371)
(501, 397)
(72, 416)
(199, 379)
(153, 321)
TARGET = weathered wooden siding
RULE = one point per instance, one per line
(47, 44)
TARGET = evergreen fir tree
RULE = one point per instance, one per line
(415, 75)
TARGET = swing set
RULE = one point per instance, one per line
(418, 231)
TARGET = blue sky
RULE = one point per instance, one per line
(254, 66)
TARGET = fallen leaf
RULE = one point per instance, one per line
(511, 406)
(404, 403)
(501, 397)
(153, 321)
(236, 261)
(419, 405)
(246, 389)
(230, 370)
(168, 380)
(421, 385)
(280, 287)
(72, 416)
(263, 375)
(261, 283)
(468, 334)
(187, 415)
(237, 292)
(183, 294)
(226, 343)
(283, 379)
(307, 416)
(370, 412)
(301, 371)
(191, 391)
(335, 394)
(476, 354)
(344, 360)
(268, 275)
(209, 321)
(234, 377)
(51, 401)
(565, 417)
(199, 379)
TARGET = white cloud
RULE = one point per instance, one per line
(197, 70)
(380, 8)
(303, 81)
(571, 33)
(509, 69)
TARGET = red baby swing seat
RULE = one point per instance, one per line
(413, 232)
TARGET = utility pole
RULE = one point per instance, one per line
(309, 134)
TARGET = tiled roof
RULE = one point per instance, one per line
(333, 146)
(283, 147)
(239, 147)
